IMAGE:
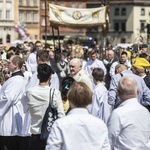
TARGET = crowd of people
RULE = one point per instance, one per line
(102, 97)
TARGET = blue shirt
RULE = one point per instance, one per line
(143, 95)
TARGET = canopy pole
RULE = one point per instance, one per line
(53, 37)
(59, 41)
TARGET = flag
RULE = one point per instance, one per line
(76, 17)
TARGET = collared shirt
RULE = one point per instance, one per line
(78, 131)
(82, 76)
(129, 127)
(17, 73)
(144, 92)
(100, 107)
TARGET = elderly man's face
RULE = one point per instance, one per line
(74, 67)
(110, 55)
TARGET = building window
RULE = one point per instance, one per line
(20, 2)
(142, 28)
(116, 11)
(36, 37)
(21, 16)
(123, 26)
(43, 5)
(80, 5)
(142, 11)
(123, 12)
(34, 2)
(73, 5)
(120, 25)
(8, 38)
(43, 22)
(116, 26)
(1, 15)
(28, 3)
(28, 18)
(7, 14)
(1, 40)
(148, 30)
(35, 16)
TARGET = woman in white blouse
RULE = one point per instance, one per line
(78, 130)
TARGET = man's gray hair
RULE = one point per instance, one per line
(127, 86)
(76, 61)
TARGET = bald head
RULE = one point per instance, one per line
(111, 54)
(75, 66)
(127, 88)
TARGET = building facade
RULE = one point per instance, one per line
(7, 17)
(29, 17)
(128, 19)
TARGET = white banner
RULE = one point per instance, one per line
(75, 17)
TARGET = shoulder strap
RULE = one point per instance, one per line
(51, 96)
(121, 74)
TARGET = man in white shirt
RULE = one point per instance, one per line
(31, 61)
(14, 122)
(79, 74)
(129, 124)
(93, 63)
(42, 56)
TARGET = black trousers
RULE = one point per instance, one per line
(36, 143)
(14, 142)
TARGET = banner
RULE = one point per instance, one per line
(75, 17)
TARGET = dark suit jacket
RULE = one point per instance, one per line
(147, 82)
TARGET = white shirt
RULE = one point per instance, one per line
(100, 107)
(27, 75)
(38, 101)
(112, 68)
(78, 131)
(14, 114)
(90, 65)
(54, 82)
(129, 126)
(32, 63)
